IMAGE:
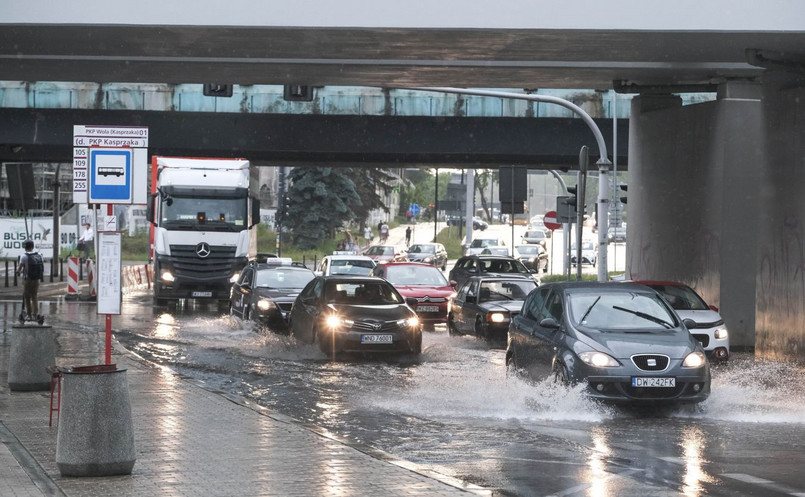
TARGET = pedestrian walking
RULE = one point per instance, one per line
(384, 233)
(407, 236)
(32, 269)
(85, 240)
(367, 234)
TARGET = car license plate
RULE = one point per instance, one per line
(427, 308)
(376, 339)
(201, 294)
(638, 381)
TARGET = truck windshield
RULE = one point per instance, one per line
(204, 213)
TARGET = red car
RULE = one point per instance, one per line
(423, 282)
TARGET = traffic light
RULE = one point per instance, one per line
(623, 187)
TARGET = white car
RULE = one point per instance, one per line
(710, 330)
(478, 245)
(589, 253)
(345, 264)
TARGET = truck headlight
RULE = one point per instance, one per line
(167, 276)
(720, 333)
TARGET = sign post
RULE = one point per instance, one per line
(549, 220)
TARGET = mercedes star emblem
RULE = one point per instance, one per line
(203, 250)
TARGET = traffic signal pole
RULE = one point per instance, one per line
(603, 162)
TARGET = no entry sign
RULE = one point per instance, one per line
(549, 220)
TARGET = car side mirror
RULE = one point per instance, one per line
(689, 323)
(412, 302)
(713, 308)
(453, 283)
(532, 270)
(549, 323)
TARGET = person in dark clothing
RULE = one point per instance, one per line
(32, 268)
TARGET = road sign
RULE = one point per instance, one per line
(110, 172)
(88, 138)
(549, 220)
(414, 209)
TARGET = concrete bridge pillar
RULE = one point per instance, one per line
(693, 208)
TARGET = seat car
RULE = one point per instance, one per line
(386, 253)
(265, 292)
(535, 236)
(355, 314)
(709, 328)
(345, 264)
(589, 253)
(423, 282)
(621, 339)
(533, 257)
(429, 253)
(484, 305)
(480, 243)
(487, 265)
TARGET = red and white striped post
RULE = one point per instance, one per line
(72, 277)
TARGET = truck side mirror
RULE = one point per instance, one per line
(149, 210)
(255, 211)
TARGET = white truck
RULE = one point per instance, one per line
(204, 215)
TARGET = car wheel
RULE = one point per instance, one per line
(416, 349)
(451, 327)
(511, 363)
(480, 332)
(326, 345)
(247, 313)
(561, 374)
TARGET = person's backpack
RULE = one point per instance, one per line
(36, 266)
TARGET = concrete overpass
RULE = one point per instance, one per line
(716, 187)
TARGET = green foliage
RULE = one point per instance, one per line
(367, 183)
(135, 248)
(421, 189)
(320, 200)
(448, 237)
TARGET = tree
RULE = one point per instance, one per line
(482, 179)
(320, 201)
(421, 188)
(370, 184)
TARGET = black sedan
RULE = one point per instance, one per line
(623, 340)
(487, 265)
(356, 314)
(484, 306)
(533, 256)
(266, 292)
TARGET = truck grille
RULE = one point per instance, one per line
(187, 264)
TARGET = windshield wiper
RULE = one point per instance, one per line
(645, 316)
(588, 310)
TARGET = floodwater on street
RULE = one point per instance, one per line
(456, 411)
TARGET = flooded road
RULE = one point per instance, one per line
(455, 411)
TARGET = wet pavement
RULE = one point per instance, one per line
(191, 440)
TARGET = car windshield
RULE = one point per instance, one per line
(422, 249)
(503, 266)
(619, 311)
(483, 243)
(681, 298)
(505, 290)
(282, 278)
(380, 250)
(527, 249)
(415, 275)
(350, 266)
(204, 213)
(361, 293)
(584, 246)
(534, 234)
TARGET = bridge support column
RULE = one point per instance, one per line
(693, 200)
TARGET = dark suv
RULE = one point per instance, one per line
(491, 265)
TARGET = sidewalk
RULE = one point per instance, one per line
(194, 442)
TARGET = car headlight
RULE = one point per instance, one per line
(598, 359)
(694, 360)
(265, 304)
(427, 259)
(411, 322)
(720, 333)
(234, 277)
(334, 321)
(167, 276)
(497, 317)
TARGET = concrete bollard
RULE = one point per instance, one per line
(33, 351)
(95, 436)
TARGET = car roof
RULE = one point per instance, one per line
(606, 286)
(503, 277)
(657, 282)
(341, 257)
(294, 266)
(489, 257)
(410, 263)
(350, 277)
